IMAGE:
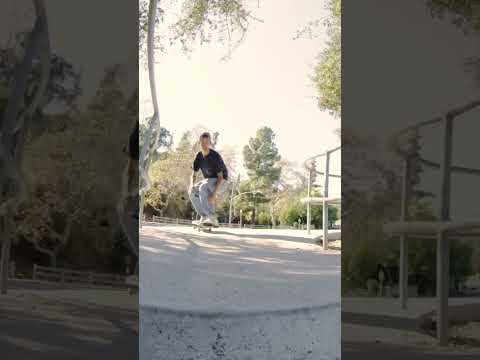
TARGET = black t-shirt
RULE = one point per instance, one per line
(210, 165)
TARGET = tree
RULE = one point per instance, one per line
(170, 178)
(261, 159)
(143, 22)
(68, 165)
(465, 15)
(47, 220)
(165, 139)
(62, 87)
(292, 175)
(14, 126)
(327, 73)
(198, 22)
(109, 111)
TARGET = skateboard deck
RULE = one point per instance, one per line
(204, 227)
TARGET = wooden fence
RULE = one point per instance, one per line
(176, 221)
(67, 276)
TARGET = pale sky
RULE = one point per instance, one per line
(265, 83)
(432, 79)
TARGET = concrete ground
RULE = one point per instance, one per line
(372, 325)
(40, 321)
(237, 294)
(235, 269)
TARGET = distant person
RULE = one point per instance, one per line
(381, 277)
(204, 193)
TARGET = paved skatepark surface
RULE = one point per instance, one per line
(237, 294)
(39, 323)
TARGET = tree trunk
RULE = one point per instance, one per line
(146, 153)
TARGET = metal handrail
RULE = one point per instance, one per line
(446, 168)
(451, 114)
(327, 176)
(305, 163)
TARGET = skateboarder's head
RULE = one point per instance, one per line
(205, 141)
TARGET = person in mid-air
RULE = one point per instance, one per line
(204, 193)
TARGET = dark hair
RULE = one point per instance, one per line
(205, 135)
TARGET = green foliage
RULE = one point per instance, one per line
(293, 211)
(359, 263)
(461, 261)
(261, 159)
(422, 263)
(170, 176)
(197, 22)
(143, 6)
(202, 18)
(263, 217)
(63, 85)
(165, 139)
(464, 14)
(327, 73)
(67, 164)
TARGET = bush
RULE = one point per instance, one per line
(359, 264)
(263, 218)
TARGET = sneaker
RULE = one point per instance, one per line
(211, 220)
(198, 222)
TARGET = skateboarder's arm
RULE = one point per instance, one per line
(221, 172)
(218, 183)
(195, 169)
(192, 179)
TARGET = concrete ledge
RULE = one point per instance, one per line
(303, 333)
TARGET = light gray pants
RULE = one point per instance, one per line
(200, 193)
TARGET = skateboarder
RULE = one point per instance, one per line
(203, 194)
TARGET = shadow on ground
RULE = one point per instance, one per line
(47, 329)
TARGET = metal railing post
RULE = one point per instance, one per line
(443, 251)
(325, 202)
(309, 211)
(403, 263)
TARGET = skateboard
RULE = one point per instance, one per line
(204, 227)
